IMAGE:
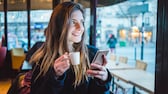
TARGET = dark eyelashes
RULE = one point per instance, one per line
(75, 22)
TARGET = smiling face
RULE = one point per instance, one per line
(76, 27)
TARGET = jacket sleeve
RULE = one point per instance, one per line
(98, 87)
(48, 84)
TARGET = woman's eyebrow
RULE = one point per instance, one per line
(73, 19)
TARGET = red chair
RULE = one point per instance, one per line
(3, 51)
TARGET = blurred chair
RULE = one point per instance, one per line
(113, 57)
(125, 86)
(141, 65)
(17, 57)
(3, 51)
(120, 84)
(123, 59)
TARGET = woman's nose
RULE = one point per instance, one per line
(80, 27)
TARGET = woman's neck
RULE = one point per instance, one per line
(70, 46)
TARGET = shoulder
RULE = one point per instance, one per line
(92, 48)
(38, 44)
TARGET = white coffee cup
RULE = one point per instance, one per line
(75, 58)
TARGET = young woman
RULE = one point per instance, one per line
(53, 72)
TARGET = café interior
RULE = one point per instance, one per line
(138, 63)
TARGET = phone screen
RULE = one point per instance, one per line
(98, 57)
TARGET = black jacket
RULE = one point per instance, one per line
(48, 84)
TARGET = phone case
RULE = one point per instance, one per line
(98, 57)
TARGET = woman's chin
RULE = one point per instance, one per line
(76, 40)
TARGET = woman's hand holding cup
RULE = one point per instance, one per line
(61, 64)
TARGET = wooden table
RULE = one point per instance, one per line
(111, 65)
(138, 78)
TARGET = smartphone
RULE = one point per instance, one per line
(98, 57)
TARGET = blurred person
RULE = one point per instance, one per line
(112, 41)
(53, 72)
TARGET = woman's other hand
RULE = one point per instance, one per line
(61, 64)
(99, 71)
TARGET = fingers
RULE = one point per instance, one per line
(100, 72)
(96, 66)
(60, 70)
(64, 56)
(61, 64)
(95, 72)
(104, 60)
(102, 75)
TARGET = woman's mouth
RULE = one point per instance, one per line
(75, 34)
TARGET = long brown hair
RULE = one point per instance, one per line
(56, 42)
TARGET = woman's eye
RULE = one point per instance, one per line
(73, 22)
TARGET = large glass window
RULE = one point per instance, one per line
(1, 23)
(1, 27)
(131, 23)
(17, 15)
(17, 24)
(87, 24)
(40, 15)
(132, 26)
(39, 21)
